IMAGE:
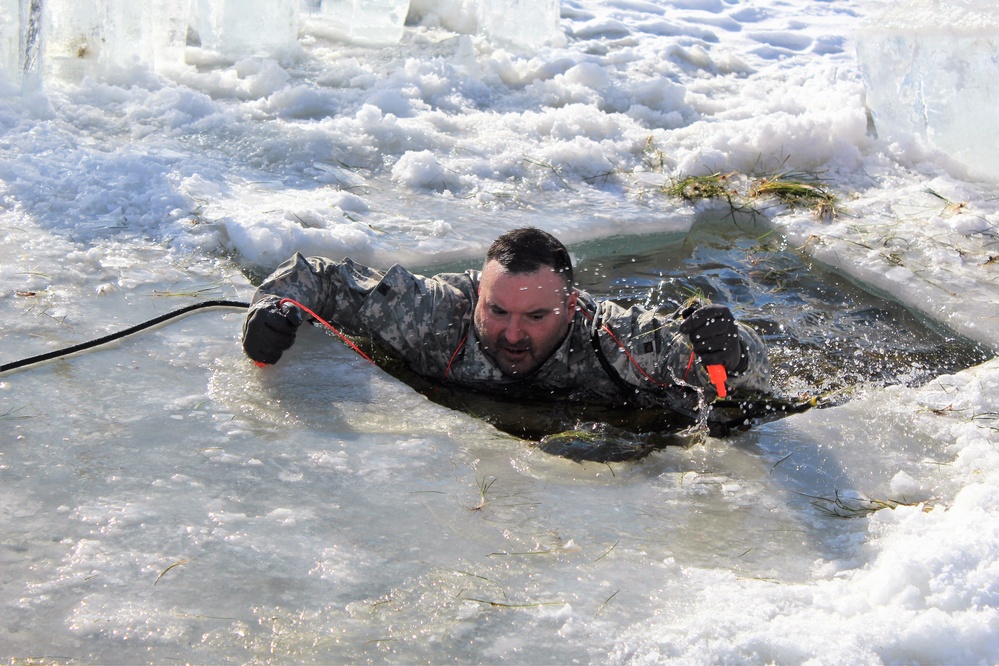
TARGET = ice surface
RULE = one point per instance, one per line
(930, 68)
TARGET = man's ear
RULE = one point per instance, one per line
(570, 303)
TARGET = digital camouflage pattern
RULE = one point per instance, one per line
(611, 355)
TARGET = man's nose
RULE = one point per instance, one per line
(513, 332)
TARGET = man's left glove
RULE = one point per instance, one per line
(269, 329)
(715, 337)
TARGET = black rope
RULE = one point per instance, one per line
(41, 358)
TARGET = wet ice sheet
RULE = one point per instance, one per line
(200, 508)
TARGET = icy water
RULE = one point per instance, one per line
(825, 333)
(164, 499)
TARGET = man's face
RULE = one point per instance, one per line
(521, 318)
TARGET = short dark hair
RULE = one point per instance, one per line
(527, 249)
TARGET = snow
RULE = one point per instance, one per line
(164, 499)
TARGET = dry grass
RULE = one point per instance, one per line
(796, 190)
(855, 505)
(699, 188)
(804, 191)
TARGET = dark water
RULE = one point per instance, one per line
(824, 333)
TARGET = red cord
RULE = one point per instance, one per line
(447, 370)
(634, 362)
(327, 325)
(716, 372)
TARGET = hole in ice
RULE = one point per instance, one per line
(826, 335)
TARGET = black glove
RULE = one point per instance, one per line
(715, 337)
(270, 329)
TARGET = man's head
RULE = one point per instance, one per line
(526, 300)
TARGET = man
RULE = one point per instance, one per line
(517, 328)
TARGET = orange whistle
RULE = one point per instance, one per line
(718, 377)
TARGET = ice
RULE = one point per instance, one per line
(243, 28)
(10, 39)
(930, 68)
(81, 39)
(94, 39)
(362, 21)
(71, 39)
(19, 26)
(144, 32)
(521, 23)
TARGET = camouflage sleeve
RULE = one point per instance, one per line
(655, 346)
(331, 289)
(421, 318)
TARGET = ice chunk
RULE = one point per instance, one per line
(10, 40)
(20, 27)
(361, 21)
(73, 38)
(242, 28)
(520, 23)
(144, 32)
(930, 68)
(81, 39)
(454, 15)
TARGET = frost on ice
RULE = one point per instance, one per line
(930, 68)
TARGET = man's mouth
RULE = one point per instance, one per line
(516, 352)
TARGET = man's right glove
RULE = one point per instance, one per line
(715, 337)
(269, 329)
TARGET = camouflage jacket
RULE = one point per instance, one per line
(611, 355)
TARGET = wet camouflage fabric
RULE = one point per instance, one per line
(427, 321)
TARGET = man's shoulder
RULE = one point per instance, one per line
(468, 279)
(400, 285)
(398, 272)
(466, 283)
(610, 310)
